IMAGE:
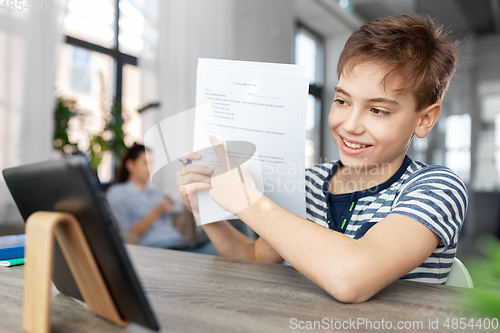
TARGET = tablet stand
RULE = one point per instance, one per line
(41, 228)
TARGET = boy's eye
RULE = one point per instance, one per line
(378, 112)
(340, 102)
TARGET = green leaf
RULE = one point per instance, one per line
(66, 109)
(485, 297)
(149, 106)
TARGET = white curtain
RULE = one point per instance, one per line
(176, 35)
(29, 42)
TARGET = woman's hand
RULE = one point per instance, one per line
(165, 206)
(233, 188)
(191, 178)
(141, 227)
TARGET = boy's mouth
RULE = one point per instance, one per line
(353, 145)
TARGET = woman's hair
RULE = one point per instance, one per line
(132, 154)
(411, 49)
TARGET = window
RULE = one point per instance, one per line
(419, 146)
(309, 51)
(98, 65)
(486, 156)
(488, 153)
(92, 21)
(457, 144)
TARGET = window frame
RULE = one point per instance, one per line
(316, 89)
(121, 59)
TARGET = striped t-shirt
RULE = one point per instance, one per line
(431, 194)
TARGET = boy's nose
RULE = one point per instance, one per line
(353, 124)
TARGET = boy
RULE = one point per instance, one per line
(378, 216)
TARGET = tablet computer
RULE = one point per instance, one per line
(70, 185)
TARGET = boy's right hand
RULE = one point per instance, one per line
(191, 178)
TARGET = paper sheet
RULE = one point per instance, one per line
(258, 111)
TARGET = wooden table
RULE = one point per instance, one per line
(201, 293)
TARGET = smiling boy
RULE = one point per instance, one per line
(378, 215)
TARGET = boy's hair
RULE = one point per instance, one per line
(412, 49)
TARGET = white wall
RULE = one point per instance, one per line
(264, 30)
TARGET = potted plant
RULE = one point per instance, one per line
(111, 138)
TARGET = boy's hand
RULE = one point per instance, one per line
(191, 178)
(233, 188)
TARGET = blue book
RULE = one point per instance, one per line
(12, 247)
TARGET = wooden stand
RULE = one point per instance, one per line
(41, 227)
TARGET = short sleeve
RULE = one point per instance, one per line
(118, 206)
(437, 198)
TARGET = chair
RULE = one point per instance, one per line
(459, 275)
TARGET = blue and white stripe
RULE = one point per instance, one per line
(431, 194)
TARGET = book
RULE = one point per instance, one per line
(12, 247)
(12, 262)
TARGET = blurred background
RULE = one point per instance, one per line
(94, 75)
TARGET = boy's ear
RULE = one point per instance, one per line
(427, 120)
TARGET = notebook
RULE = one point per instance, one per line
(12, 247)
(12, 262)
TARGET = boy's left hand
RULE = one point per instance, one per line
(233, 188)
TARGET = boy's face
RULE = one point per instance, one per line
(366, 114)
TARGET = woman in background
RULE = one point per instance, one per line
(138, 208)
